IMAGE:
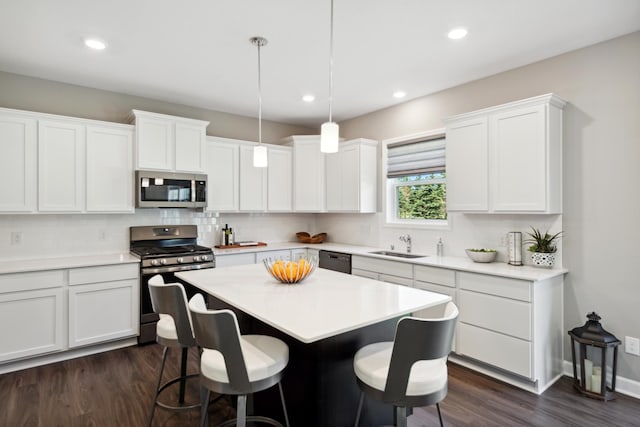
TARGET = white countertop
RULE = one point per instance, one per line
(326, 304)
(39, 264)
(502, 269)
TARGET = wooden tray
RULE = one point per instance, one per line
(236, 246)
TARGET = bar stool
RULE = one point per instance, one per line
(411, 370)
(172, 330)
(235, 364)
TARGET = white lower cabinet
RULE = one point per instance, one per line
(514, 325)
(400, 273)
(103, 304)
(284, 255)
(296, 254)
(51, 311)
(235, 259)
(31, 314)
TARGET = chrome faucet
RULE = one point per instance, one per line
(407, 240)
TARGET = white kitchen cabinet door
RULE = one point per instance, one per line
(189, 146)
(252, 182)
(61, 166)
(297, 254)
(507, 158)
(351, 177)
(280, 179)
(31, 323)
(308, 174)
(18, 163)
(467, 165)
(109, 169)
(155, 143)
(102, 312)
(235, 259)
(222, 165)
(284, 255)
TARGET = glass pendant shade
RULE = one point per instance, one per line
(329, 137)
(260, 156)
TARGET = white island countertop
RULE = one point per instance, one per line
(326, 304)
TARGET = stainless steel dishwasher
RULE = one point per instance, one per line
(336, 261)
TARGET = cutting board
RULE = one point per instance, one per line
(241, 245)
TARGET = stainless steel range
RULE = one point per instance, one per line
(164, 250)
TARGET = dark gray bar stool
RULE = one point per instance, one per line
(172, 330)
(411, 370)
(235, 364)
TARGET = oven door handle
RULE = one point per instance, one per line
(174, 268)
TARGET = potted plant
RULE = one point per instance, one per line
(543, 247)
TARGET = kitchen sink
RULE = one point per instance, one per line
(397, 254)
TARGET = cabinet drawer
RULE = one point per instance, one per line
(106, 273)
(508, 353)
(440, 276)
(395, 279)
(508, 316)
(494, 285)
(392, 268)
(29, 281)
(284, 255)
(437, 311)
(238, 259)
(365, 273)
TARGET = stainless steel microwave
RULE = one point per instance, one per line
(170, 190)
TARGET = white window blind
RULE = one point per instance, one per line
(416, 157)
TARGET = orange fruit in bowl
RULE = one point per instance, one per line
(291, 271)
(304, 266)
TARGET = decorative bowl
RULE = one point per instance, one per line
(291, 271)
(482, 255)
(305, 237)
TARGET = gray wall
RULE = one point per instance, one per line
(601, 172)
(45, 96)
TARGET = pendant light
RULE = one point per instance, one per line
(259, 151)
(329, 130)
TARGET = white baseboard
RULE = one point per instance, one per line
(623, 385)
(65, 355)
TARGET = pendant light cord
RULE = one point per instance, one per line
(331, 63)
(259, 98)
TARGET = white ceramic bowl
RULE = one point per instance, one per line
(487, 255)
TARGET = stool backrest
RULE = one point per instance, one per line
(171, 299)
(418, 339)
(218, 330)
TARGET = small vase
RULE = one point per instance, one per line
(541, 259)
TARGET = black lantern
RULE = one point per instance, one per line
(596, 347)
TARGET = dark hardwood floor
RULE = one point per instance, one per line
(116, 388)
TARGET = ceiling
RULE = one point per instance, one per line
(197, 52)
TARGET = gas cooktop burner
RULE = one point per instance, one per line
(153, 251)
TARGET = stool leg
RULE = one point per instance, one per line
(241, 411)
(359, 409)
(284, 407)
(183, 373)
(401, 416)
(155, 395)
(439, 414)
(204, 408)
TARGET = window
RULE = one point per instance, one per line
(416, 180)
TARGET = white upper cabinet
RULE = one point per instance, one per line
(507, 159)
(467, 165)
(252, 182)
(18, 162)
(109, 168)
(169, 143)
(221, 163)
(351, 177)
(280, 179)
(61, 166)
(308, 173)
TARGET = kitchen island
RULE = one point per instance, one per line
(324, 320)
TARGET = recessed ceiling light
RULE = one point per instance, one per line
(95, 44)
(308, 98)
(399, 94)
(457, 33)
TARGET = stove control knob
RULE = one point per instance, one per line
(154, 262)
(205, 258)
(196, 258)
(163, 261)
(179, 260)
